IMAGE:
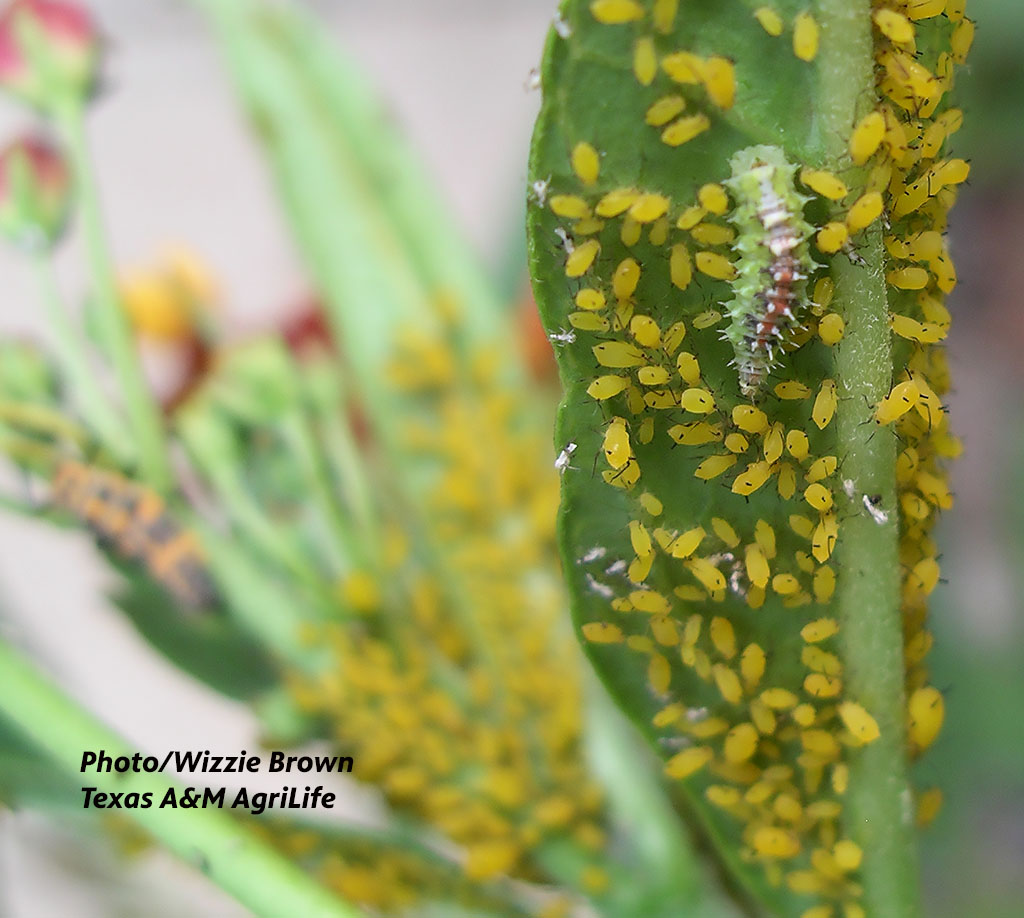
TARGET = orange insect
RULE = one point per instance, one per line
(136, 522)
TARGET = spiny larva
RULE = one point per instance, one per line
(773, 263)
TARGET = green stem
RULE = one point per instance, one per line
(112, 324)
(92, 401)
(878, 813)
(244, 867)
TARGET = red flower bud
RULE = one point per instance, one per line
(35, 191)
(49, 51)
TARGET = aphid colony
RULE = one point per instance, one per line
(760, 726)
(135, 522)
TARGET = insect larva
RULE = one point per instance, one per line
(136, 522)
(773, 263)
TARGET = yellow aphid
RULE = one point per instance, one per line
(625, 278)
(713, 198)
(673, 337)
(740, 743)
(898, 402)
(639, 538)
(690, 217)
(819, 497)
(728, 683)
(751, 478)
(696, 433)
(859, 722)
(831, 329)
(659, 674)
(824, 584)
(616, 12)
(893, 25)
(624, 478)
(792, 390)
(581, 258)
(685, 763)
(924, 576)
(710, 577)
(651, 504)
(654, 376)
(648, 207)
(823, 541)
(929, 802)
(822, 468)
(669, 715)
(603, 633)
(752, 664)
(637, 572)
(926, 711)
(750, 419)
(589, 321)
(797, 444)
(684, 67)
(723, 636)
(805, 36)
(645, 60)
(688, 367)
(713, 234)
(722, 795)
(819, 630)
(686, 544)
(785, 584)
(680, 269)
(779, 699)
(832, 237)
(773, 444)
(824, 183)
(720, 82)
(908, 278)
(714, 265)
(770, 20)
(607, 387)
(569, 205)
(848, 855)
(724, 531)
(587, 226)
(737, 443)
(820, 743)
(802, 526)
(590, 299)
(697, 400)
(948, 172)
(775, 843)
(664, 110)
(616, 444)
(756, 564)
(685, 129)
(864, 211)
(616, 202)
(618, 354)
(664, 15)
(707, 319)
(819, 685)
(825, 404)
(486, 859)
(714, 466)
(925, 9)
(824, 291)
(585, 163)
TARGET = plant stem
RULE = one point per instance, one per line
(112, 324)
(221, 847)
(878, 812)
(92, 401)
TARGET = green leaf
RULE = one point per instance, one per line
(206, 644)
(730, 531)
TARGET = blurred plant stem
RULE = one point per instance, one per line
(112, 324)
(94, 404)
(245, 868)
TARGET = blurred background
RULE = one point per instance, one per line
(177, 167)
